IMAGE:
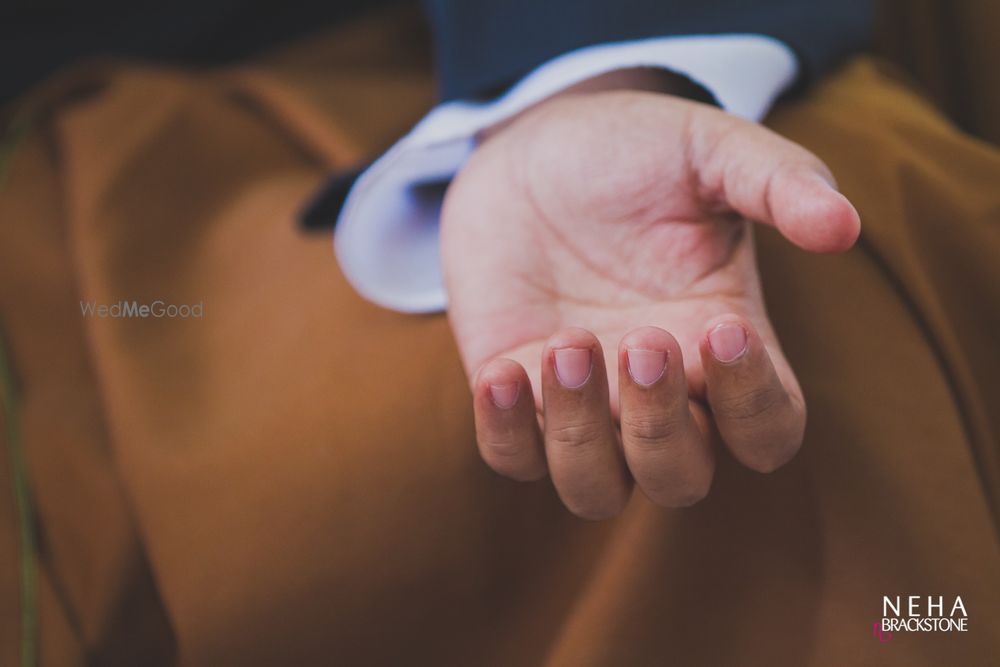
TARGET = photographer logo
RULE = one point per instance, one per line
(920, 613)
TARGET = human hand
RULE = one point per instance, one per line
(582, 233)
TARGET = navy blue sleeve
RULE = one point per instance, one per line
(483, 46)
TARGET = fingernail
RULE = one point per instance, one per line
(646, 366)
(728, 341)
(572, 366)
(504, 395)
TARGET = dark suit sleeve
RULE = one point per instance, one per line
(483, 46)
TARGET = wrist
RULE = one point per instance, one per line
(645, 79)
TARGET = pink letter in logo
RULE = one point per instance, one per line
(878, 634)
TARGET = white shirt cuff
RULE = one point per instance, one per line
(386, 237)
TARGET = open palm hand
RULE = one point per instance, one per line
(605, 236)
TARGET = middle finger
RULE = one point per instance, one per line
(581, 441)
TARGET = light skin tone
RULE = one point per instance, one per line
(605, 298)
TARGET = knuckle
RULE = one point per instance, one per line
(677, 492)
(647, 432)
(575, 435)
(501, 449)
(752, 404)
(596, 509)
(513, 459)
(689, 495)
(767, 464)
(503, 443)
(774, 455)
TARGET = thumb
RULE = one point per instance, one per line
(762, 176)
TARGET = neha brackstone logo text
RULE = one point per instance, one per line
(129, 309)
(915, 613)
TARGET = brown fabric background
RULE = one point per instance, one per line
(950, 47)
(292, 479)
